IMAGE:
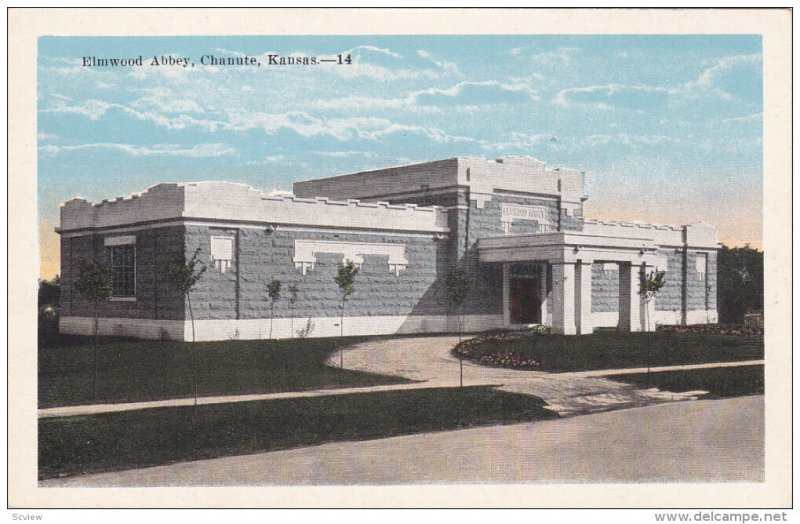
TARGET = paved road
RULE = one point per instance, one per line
(713, 440)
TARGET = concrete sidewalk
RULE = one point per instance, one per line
(428, 361)
(704, 441)
(92, 409)
(657, 369)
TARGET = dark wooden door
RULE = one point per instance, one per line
(525, 304)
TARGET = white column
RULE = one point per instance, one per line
(629, 318)
(564, 298)
(647, 309)
(506, 295)
(583, 297)
(543, 297)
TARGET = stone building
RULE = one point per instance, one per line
(516, 226)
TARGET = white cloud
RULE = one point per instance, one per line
(164, 103)
(708, 76)
(223, 51)
(93, 109)
(343, 129)
(755, 117)
(704, 84)
(561, 56)
(629, 140)
(239, 119)
(374, 49)
(45, 136)
(197, 151)
(271, 159)
(355, 102)
(380, 73)
(450, 67)
(457, 89)
(564, 97)
(361, 68)
(362, 102)
(517, 141)
(345, 154)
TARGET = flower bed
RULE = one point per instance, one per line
(611, 349)
(716, 329)
(499, 358)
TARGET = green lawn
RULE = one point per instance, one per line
(116, 441)
(615, 349)
(140, 370)
(719, 382)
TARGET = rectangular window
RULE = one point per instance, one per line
(701, 263)
(222, 252)
(123, 270)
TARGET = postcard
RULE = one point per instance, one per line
(406, 258)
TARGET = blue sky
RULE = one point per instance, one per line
(668, 128)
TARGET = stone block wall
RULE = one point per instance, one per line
(381, 184)
(701, 289)
(605, 286)
(669, 298)
(260, 256)
(605, 289)
(156, 298)
(486, 221)
(449, 199)
(573, 222)
(468, 223)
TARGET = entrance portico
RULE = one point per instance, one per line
(558, 268)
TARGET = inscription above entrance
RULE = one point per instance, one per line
(509, 213)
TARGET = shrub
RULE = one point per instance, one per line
(48, 326)
(735, 330)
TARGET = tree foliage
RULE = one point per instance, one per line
(93, 281)
(651, 283)
(274, 293)
(457, 285)
(294, 292)
(50, 292)
(740, 282)
(185, 274)
(274, 290)
(345, 278)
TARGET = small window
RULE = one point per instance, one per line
(701, 262)
(123, 270)
(222, 252)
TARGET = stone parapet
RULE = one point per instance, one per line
(698, 235)
(241, 203)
